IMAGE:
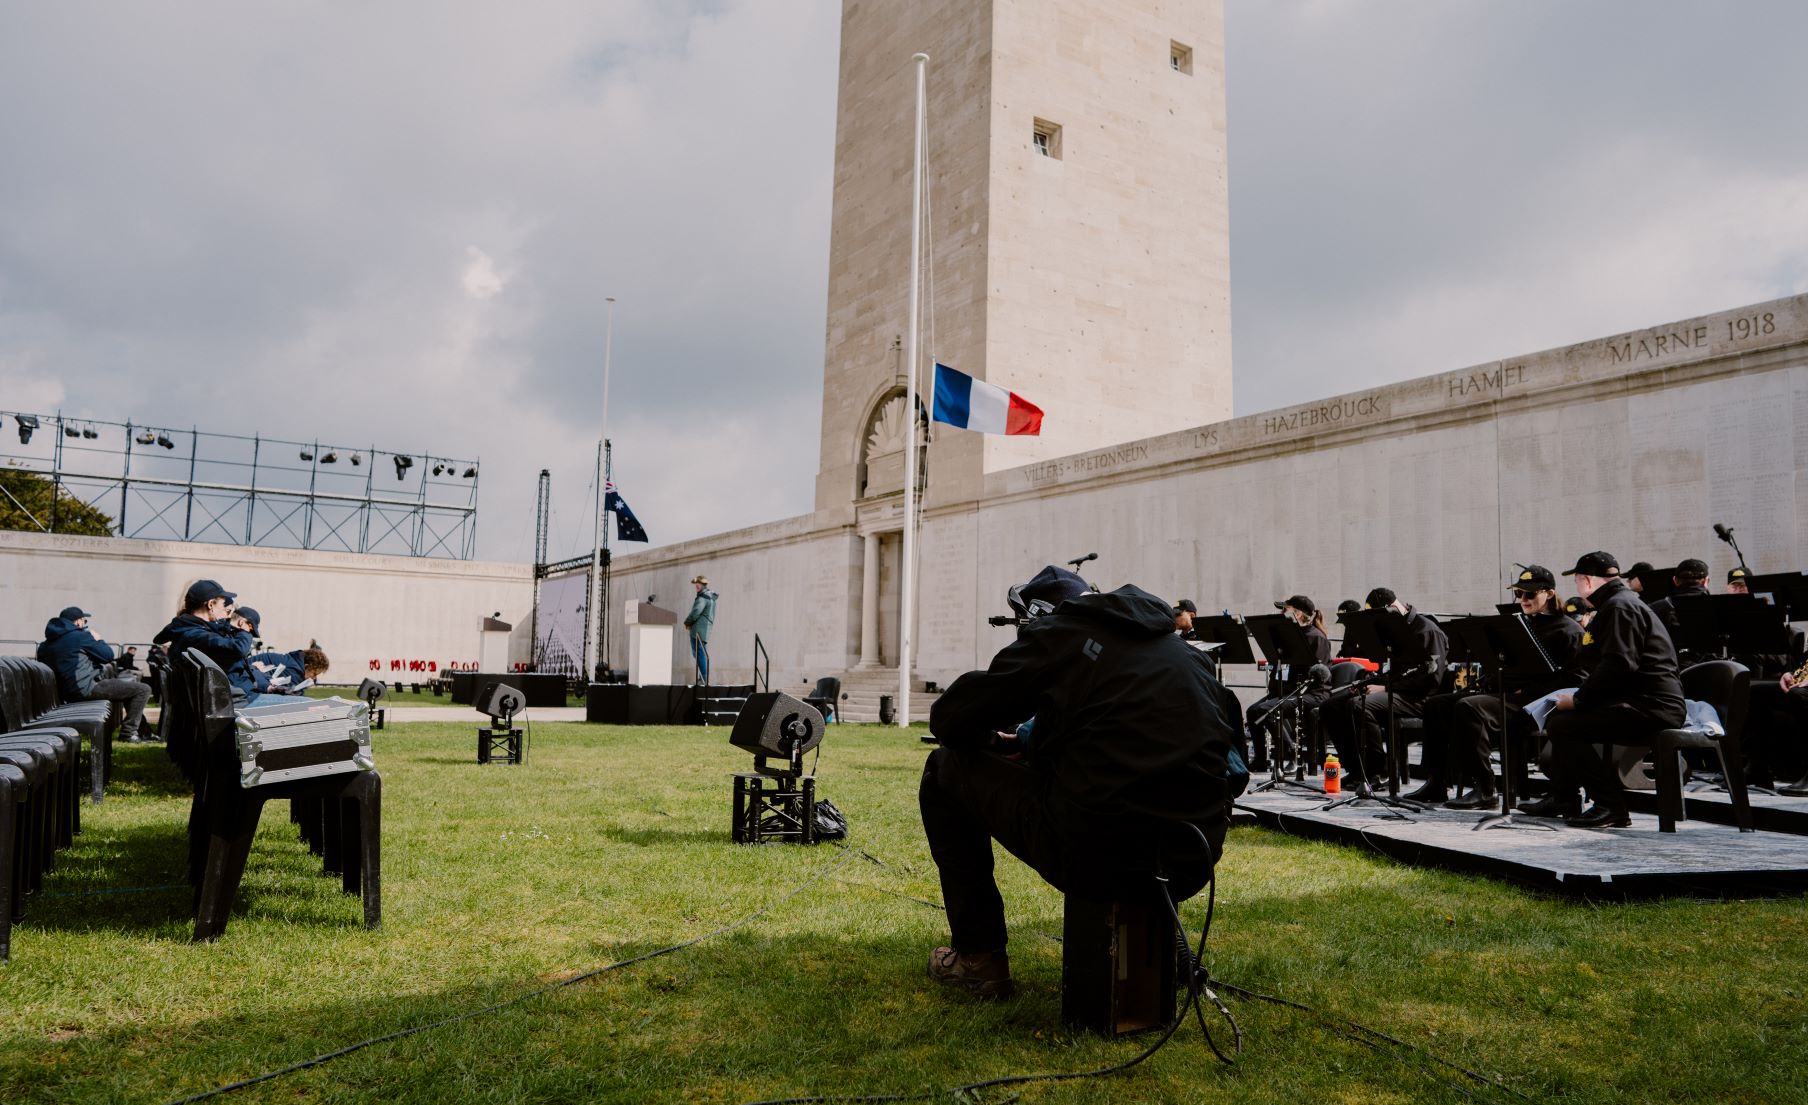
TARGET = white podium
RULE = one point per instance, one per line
(649, 643)
(493, 645)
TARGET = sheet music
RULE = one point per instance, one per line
(1541, 709)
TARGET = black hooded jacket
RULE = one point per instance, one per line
(1130, 724)
(1631, 660)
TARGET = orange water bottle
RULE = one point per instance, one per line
(1333, 775)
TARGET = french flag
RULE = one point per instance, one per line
(971, 404)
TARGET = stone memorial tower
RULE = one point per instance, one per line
(1078, 242)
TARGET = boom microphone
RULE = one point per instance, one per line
(1319, 675)
(1723, 533)
(1075, 564)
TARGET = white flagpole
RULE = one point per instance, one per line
(594, 616)
(906, 604)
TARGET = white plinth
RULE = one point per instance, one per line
(650, 655)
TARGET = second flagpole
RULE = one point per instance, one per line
(906, 602)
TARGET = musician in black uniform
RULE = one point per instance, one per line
(1132, 737)
(1468, 724)
(1690, 578)
(1357, 729)
(1632, 691)
(1266, 734)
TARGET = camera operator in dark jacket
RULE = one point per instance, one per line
(1131, 737)
(1632, 691)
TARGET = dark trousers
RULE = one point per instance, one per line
(1360, 729)
(1475, 724)
(131, 695)
(1776, 733)
(970, 798)
(1268, 734)
(1576, 759)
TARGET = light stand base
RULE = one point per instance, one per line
(774, 808)
(498, 746)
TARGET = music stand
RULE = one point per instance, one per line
(1289, 653)
(1655, 583)
(1374, 635)
(1788, 590)
(1507, 644)
(1723, 625)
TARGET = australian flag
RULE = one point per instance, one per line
(627, 527)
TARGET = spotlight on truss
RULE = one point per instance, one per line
(27, 423)
(402, 465)
(164, 440)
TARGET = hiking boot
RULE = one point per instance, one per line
(983, 974)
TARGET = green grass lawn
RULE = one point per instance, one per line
(614, 841)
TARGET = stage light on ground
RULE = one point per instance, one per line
(402, 465)
(27, 423)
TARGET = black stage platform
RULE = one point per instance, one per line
(1771, 812)
(1700, 858)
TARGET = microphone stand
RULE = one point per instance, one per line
(1366, 793)
(1726, 534)
(1277, 777)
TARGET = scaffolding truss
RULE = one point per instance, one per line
(189, 485)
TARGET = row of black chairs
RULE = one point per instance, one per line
(40, 792)
(339, 817)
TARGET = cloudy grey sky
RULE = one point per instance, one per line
(397, 223)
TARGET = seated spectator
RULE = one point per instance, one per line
(82, 664)
(204, 623)
(289, 672)
(128, 660)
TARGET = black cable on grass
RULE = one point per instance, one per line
(827, 870)
(1337, 1024)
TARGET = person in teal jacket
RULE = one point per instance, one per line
(699, 621)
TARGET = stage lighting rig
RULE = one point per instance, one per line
(471, 472)
(357, 459)
(402, 465)
(69, 430)
(146, 438)
(27, 424)
(438, 469)
(90, 432)
(330, 458)
(307, 455)
(164, 440)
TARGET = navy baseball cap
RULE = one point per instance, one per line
(1534, 577)
(251, 616)
(1599, 564)
(71, 613)
(203, 591)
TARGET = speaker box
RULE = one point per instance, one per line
(606, 703)
(772, 723)
(662, 705)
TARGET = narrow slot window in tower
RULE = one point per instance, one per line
(1180, 58)
(1046, 139)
